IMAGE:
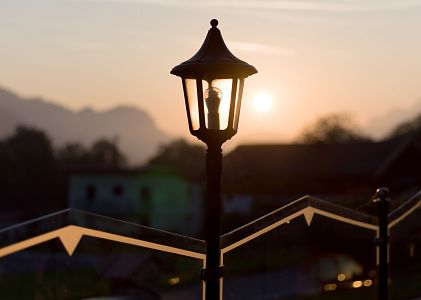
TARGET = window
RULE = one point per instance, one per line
(118, 190)
(90, 192)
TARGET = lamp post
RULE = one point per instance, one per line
(213, 81)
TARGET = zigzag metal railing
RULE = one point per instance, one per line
(65, 225)
(71, 225)
(307, 207)
(403, 211)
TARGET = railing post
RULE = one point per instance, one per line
(382, 200)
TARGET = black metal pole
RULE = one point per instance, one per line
(382, 199)
(213, 212)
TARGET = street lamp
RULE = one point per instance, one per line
(213, 81)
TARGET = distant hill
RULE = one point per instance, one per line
(137, 135)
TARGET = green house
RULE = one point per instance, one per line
(157, 197)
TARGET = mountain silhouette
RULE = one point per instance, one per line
(137, 135)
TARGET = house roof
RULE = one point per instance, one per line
(313, 160)
(100, 169)
(124, 171)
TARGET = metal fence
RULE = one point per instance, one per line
(308, 249)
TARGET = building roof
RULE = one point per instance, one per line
(123, 171)
(100, 169)
(287, 162)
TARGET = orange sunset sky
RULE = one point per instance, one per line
(314, 57)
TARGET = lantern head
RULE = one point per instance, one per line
(213, 82)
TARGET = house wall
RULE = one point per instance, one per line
(164, 201)
(176, 203)
(105, 200)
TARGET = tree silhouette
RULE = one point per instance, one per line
(32, 154)
(335, 128)
(102, 153)
(106, 152)
(412, 127)
(72, 154)
(29, 174)
(188, 159)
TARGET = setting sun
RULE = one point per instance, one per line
(262, 102)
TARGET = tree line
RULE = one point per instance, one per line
(33, 174)
(340, 128)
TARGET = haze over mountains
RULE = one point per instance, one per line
(136, 133)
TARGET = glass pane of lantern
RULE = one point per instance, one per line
(191, 92)
(237, 108)
(217, 99)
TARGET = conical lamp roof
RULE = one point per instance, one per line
(214, 58)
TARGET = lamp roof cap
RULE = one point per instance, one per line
(214, 58)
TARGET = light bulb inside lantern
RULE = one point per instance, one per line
(213, 97)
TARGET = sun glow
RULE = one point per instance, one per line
(262, 102)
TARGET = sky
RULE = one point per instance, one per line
(314, 57)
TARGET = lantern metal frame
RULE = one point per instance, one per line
(213, 61)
